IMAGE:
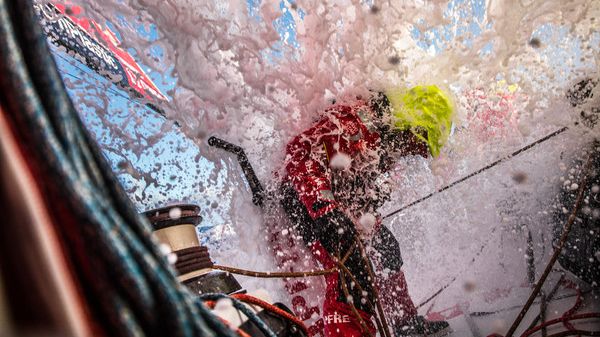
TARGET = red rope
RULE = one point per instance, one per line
(210, 304)
(270, 307)
(568, 316)
(560, 320)
(569, 313)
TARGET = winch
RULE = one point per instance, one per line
(175, 227)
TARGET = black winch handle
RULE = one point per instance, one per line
(258, 192)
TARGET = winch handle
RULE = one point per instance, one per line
(258, 192)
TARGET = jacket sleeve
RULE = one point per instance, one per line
(307, 167)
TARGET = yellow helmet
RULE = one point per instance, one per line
(423, 108)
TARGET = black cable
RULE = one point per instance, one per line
(487, 167)
(488, 313)
(549, 298)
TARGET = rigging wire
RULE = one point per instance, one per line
(481, 170)
(273, 274)
(566, 229)
(111, 90)
(85, 71)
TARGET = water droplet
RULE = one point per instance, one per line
(175, 213)
(469, 286)
(519, 177)
(535, 43)
(394, 60)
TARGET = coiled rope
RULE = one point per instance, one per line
(129, 287)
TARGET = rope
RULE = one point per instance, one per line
(381, 325)
(576, 333)
(455, 277)
(211, 305)
(74, 63)
(239, 331)
(563, 320)
(266, 306)
(557, 250)
(341, 268)
(363, 253)
(549, 298)
(355, 312)
(347, 272)
(268, 274)
(513, 307)
(485, 168)
(567, 316)
(343, 272)
(569, 313)
(128, 286)
(244, 309)
(272, 308)
(192, 258)
(242, 333)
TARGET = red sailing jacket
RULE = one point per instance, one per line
(344, 129)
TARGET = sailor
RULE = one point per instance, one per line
(333, 187)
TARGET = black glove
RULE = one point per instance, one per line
(336, 232)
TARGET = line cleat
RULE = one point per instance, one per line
(420, 327)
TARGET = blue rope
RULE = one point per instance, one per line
(129, 286)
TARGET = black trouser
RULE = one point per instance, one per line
(383, 243)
